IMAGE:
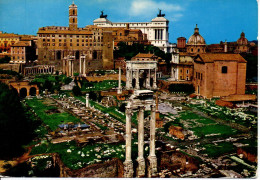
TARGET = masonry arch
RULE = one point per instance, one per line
(32, 91)
(23, 92)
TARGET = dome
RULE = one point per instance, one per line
(242, 40)
(196, 38)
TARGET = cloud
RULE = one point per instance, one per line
(147, 8)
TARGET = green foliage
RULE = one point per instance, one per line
(129, 51)
(12, 73)
(98, 86)
(251, 67)
(5, 59)
(67, 80)
(15, 128)
(76, 91)
(186, 88)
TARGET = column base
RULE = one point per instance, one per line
(128, 169)
(119, 91)
(152, 169)
(141, 167)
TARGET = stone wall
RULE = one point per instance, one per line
(110, 169)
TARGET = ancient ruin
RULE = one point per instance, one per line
(140, 73)
(140, 101)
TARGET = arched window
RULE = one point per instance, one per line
(224, 69)
(199, 50)
(191, 49)
(73, 20)
(73, 12)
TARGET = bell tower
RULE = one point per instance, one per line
(73, 17)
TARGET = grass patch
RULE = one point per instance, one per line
(52, 120)
(219, 149)
(222, 130)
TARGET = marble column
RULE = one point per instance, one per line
(128, 164)
(128, 79)
(140, 159)
(119, 90)
(148, 79)
(80, 61)
(84, 66)
(87, 100)
(154, 80)
(152, 170)
(172, 71)
(137, 86)
(72, 69)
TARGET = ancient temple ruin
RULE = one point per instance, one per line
(141, 74)
(140, 101)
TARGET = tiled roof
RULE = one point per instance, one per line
(143, 55)
(22, 43)
(211, 57)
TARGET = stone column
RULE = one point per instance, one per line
(87, 100)
(140, 159)
(119, 90)
(69, 65)
(152, 170)
(154, 80)
(172, 71)
(137, 86)
(148, 79)
(72, 69)
(128, 79)
(84, 66)
(80, 65)
(128, 164)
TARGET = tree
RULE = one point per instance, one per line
(76, 91)
(15, 128)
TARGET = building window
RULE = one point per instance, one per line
(224, 69)
(53, 44)
(53, 35)
(191, 49)
(187, 72)
(53, 40)
(70, 44)
(198, 50)
(40, 35)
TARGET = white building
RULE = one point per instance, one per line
(156, 30)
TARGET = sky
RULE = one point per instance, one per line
(218, 20)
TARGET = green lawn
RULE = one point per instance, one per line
(52, 120)
(219, 149)
(223, 130)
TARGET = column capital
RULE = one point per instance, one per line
(128, 111)
(141, 108)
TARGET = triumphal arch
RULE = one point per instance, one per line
(141, 74)
(140, 101)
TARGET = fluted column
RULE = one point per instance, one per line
(152, 171)
(148, 79)
(140, 159)
(84, 66)
(80, 60)
(137, 86)
(119, 90)
(72, 69)
(154, 80)
(128, 164)
(87, 100)
(128, 79)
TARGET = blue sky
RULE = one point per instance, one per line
(218, 20)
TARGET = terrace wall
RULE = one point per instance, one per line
(109, 169)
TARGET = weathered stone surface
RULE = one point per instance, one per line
(176, 131)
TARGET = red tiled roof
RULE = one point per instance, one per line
(211, 57)
(143, 55)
